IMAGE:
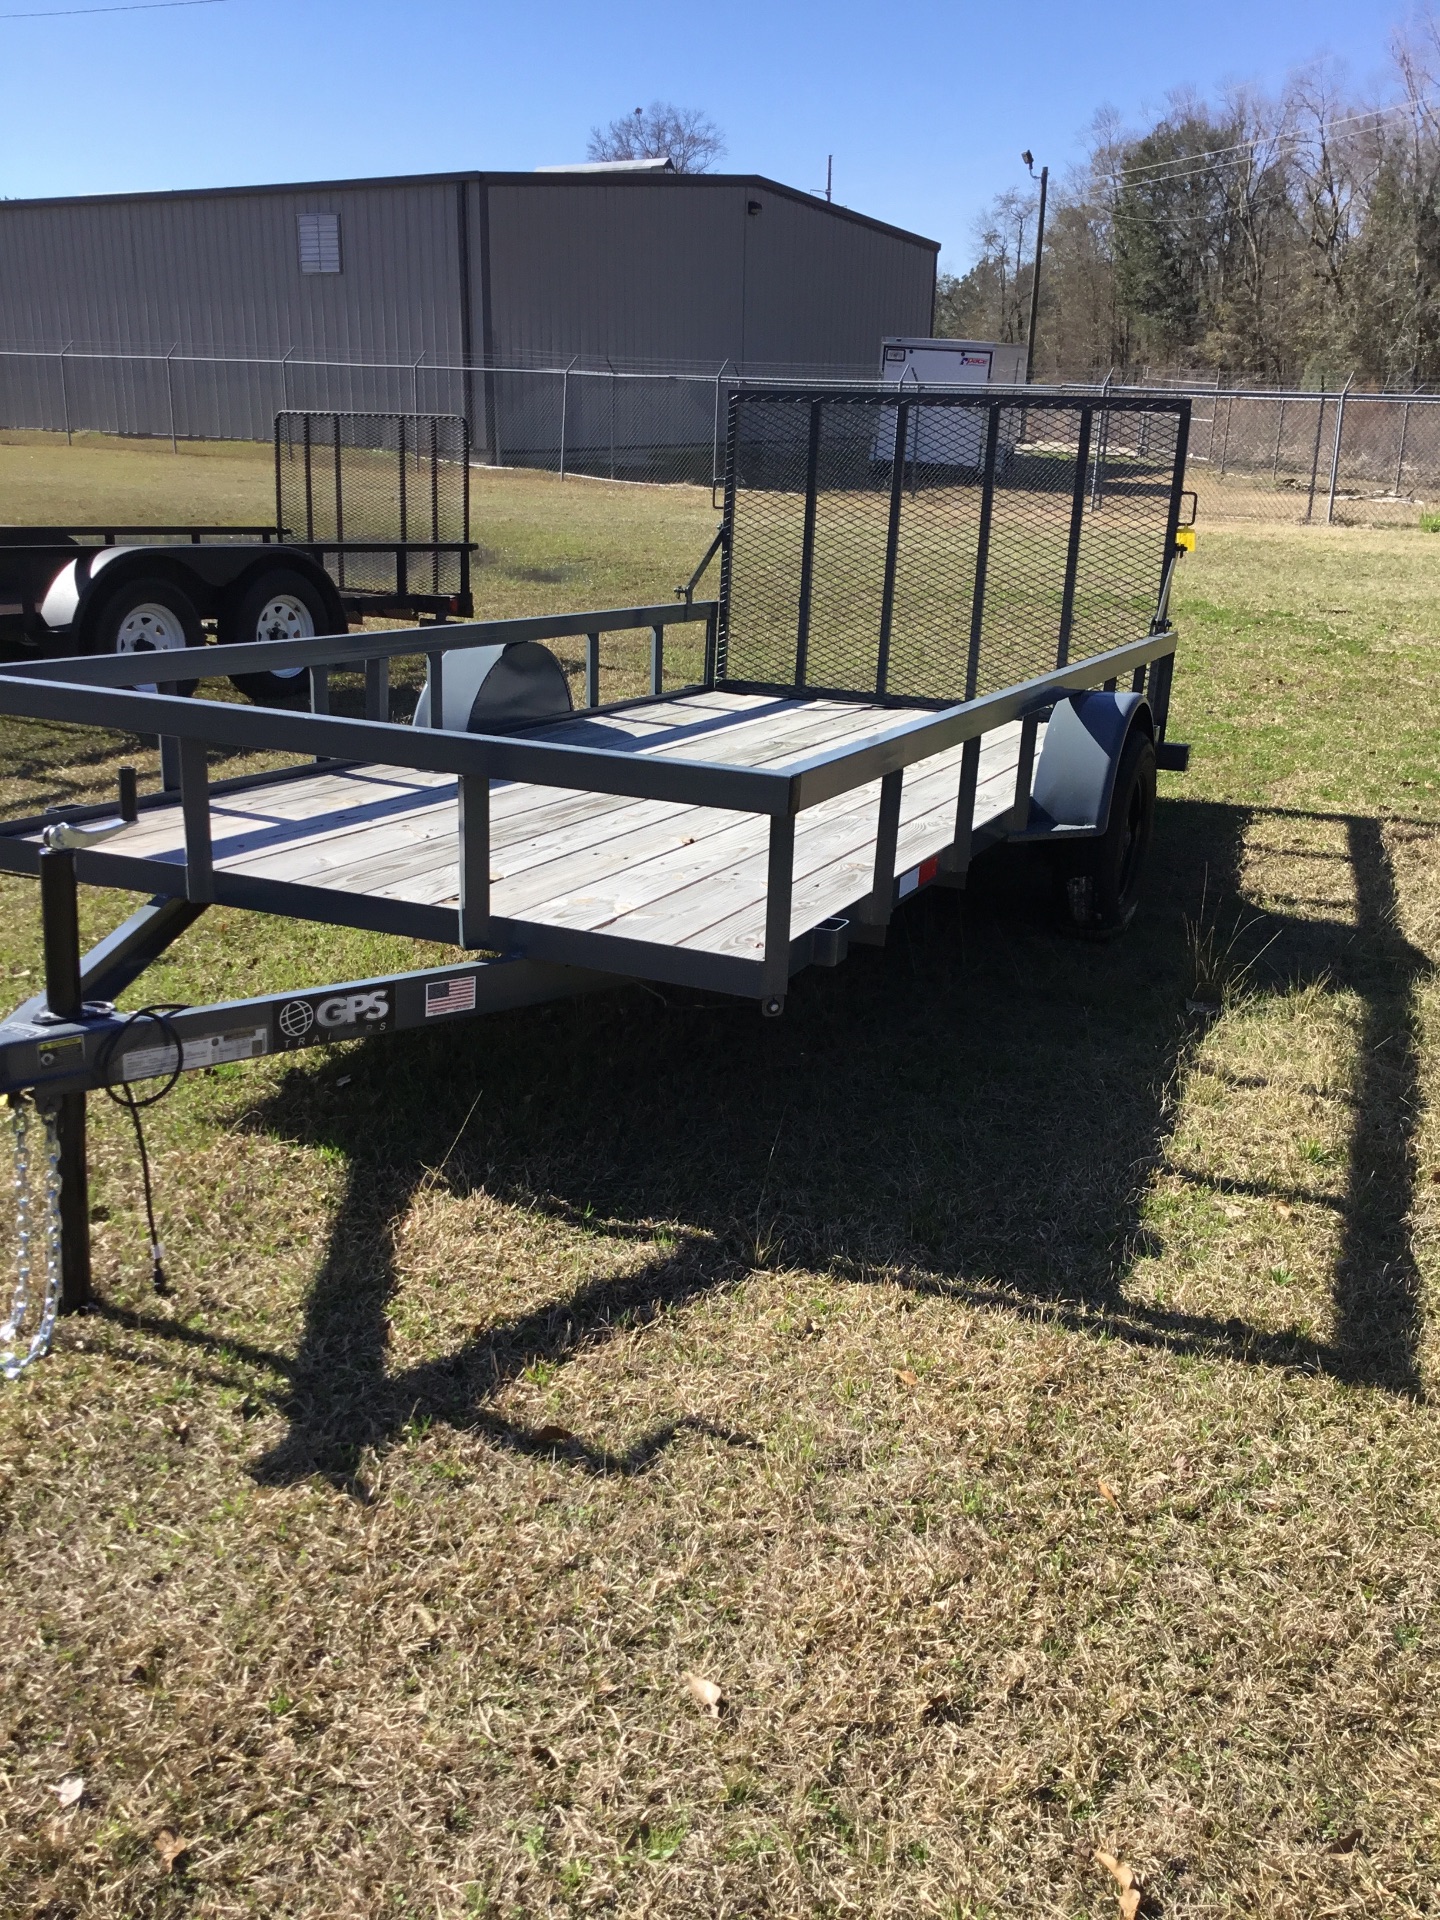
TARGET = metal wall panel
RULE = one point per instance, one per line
(635, 271)
(824, 291)
(467, 271)
(670, 270)
(221, 274)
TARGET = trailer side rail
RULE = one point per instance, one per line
(94, 692)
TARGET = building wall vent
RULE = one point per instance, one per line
(319, 242)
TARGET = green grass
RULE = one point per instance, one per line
(846, 1318)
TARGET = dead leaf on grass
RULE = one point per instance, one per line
(70, 1792)
(907, 1376)
(1284, 1209)
(1127, 1882)
(1347, 1843)
(1109, 1495)
(553, 1436)
(705, 1694)
(171, 1849)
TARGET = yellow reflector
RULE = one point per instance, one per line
(1185, 538)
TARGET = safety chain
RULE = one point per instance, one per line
(37, 1220)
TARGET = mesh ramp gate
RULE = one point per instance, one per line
(377, 477)
(941, 545)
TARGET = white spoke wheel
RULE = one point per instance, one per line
(145, 616)
(285, 617)
(149, 628)
(279, 605)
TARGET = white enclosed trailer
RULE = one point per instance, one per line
(937, 439)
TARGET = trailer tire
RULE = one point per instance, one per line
(1100, 879)
(279, 605)
(149, 614)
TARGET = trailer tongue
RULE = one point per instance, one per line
(919, 649)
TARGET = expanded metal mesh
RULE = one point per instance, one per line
(942, 545)
(376, 477)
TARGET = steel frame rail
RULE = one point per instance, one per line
(86, 693)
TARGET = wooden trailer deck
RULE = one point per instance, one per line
(380, 844)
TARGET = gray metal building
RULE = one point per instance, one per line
(416, 287)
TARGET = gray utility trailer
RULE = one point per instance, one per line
(906, 663)
(372, 518)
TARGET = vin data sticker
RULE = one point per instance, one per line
(209, 1050)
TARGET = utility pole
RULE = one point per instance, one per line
(1029, 160)
(829, 174)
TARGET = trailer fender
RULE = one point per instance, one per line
(1075, 777)
(96, 579)
(489, 689)
(72, 585)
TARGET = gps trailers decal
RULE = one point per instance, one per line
(312, 1017)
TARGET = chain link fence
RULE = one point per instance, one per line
(1307, 458)
(1346, 459)
(607, 423)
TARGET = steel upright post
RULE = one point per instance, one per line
(60, 922)
(1404, 436)
(1315, 456)
(1335, 451)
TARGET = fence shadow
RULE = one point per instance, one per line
(973, 1111)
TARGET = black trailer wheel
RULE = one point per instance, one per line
(1100, 879)
(149, 615)
(280, 605)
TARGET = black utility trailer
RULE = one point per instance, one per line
(372, 519)
(908, 661)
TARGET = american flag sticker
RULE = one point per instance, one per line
(455, 995)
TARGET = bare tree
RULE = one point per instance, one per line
(686, 137)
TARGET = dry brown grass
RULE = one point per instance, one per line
(792, 1355)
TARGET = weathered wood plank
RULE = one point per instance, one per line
(544, 821)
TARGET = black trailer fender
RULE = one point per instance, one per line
(1075, 777)
(209, 575)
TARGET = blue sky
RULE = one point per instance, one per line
(925, 106)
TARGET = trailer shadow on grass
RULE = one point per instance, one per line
(973, 1112)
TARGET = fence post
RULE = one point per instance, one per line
(415, 386)
(285, 377)
(1404, 436)
(715, 433)
(65, 390)
(1335, 452)
(1279, 436)
(1315, 458)
(170, 396)
(612, 421)
(565, 409)
(1102, 446)
(1225, 442)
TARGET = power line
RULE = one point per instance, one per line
(1188, 161)
(135, 6)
